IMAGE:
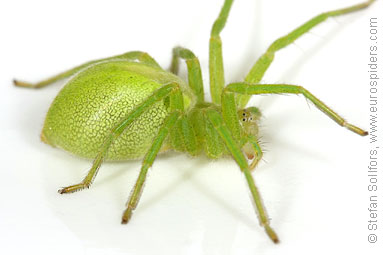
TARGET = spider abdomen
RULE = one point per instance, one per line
(97, 99)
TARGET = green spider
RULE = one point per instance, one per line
(127, 107)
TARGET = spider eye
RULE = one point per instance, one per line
(244, 119)
(243, 114)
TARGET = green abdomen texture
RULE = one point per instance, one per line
(94, 101)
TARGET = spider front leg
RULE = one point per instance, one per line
(259, 68)
(219, 125)
(139, 56)
(158, 95)
(256, 89)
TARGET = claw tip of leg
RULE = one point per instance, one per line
(126, 216)
(273, 236)
(275, 240)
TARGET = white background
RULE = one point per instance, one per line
(313, 178)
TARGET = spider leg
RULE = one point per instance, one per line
(176, 108)
(147, 162)
(259, 68)
(171, 90)
(194, 70)
(256, 89)
(129, 56)
(188, 136)
(230, 115)
(219, 125)
(216, 72)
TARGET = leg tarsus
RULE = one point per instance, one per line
(127, 215)
(87, 181)
(23, 84)
(74, 188)
(271, 233)
(355, 129)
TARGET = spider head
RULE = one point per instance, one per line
(249, 118)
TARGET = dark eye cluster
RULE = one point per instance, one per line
(246, 117)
